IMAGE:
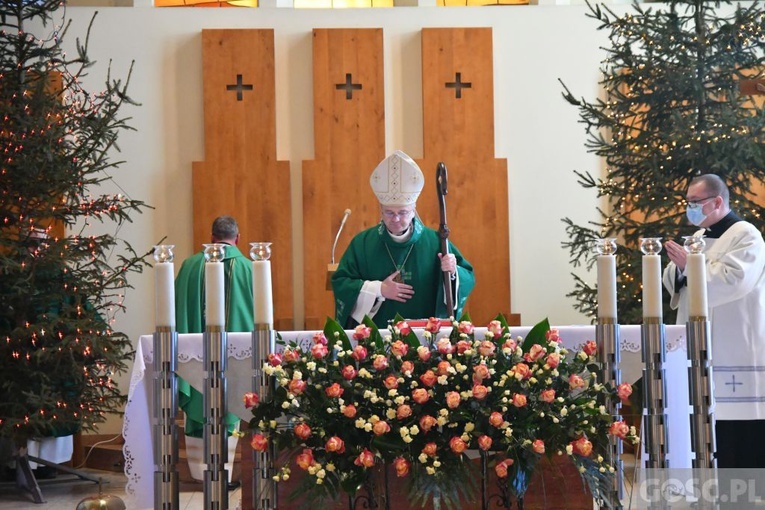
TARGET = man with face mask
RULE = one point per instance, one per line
(396, 266)
(735, 268)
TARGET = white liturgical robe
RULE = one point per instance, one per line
(735, 267)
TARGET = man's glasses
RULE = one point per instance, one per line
(700, 202)
(389, 215)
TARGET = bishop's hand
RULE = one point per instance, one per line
(448, 263)
(396, 291)
(677, 254)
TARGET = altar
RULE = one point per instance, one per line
(137, 429)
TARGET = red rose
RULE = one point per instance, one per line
(519, 400)
(361, 332)
(480, 372)
(486, 348)
(403, 412)
(420, 395)
(457, 445)
(365, 459)
(302, 430)
(582, 446)
(430, 449)
(624, 390)
(538, 446)
(547, 396)
(407, 367)
(359, 353)
(297, 386)
(553, 336)
(348, 372)
(590, 347)
(335, 444)
(484, 442)
(423, 353)
(319, 338)
(501, 467)
(380, 428)
(453, 399)
(574, 382)
(536, 352)
(349, 411)
(401, 466)
(319, 351)
(291, 355)
(251, 400)
(259, 443)
(496, 419)
(305, 459)
(443, 367)
(463, 345)
(495, 328)
(427, 422)
(433, 325)
(275, 359)
(553, 360)
(445, 346)
(429, 378)
(399, 348)
(391, 382)
(380, 363)
(403, 328)
(619, 429)
(465, 327)
(334, 390)
(480, 391)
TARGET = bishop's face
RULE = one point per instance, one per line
(397, 218)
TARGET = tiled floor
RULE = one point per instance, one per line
(65, 492)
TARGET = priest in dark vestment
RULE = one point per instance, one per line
(396, 267)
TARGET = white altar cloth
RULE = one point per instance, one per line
(137, 428)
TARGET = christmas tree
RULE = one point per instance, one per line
(60, 284)
(672, 108)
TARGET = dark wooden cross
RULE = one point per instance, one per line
(734, 383)
(458, 85)
(239, 87)
(348, 86)
(752, 87)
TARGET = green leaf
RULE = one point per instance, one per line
(331, 328)
(376, 336)
(537, 335)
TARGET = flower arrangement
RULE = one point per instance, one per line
(343, 407)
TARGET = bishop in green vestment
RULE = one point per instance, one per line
(396, 267)
(190, 309)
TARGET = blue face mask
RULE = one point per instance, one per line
(695, 215)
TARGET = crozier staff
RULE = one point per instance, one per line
(395, 267)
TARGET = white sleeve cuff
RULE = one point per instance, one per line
(369, 300)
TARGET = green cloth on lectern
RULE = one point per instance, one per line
(190, 318)
(374, 255)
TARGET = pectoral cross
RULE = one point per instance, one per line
(403, 276)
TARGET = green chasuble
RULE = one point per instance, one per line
(190, 318)
(374, 255)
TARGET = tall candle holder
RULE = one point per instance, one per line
(165, 432)
(264, 495)
(700, 357)
(214, 397)
(607, 339)
(654, 356)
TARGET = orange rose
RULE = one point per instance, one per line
(496, 419)
(423, 353)
(297, 386)
(430, 449)
(457, 445)
(433, 325)
(501, 467)
(536, 352)
(359, 353)
(380, 363)
(335, 444)
(305, 459)
(348, 372)
(590, 347)
(547, 396)
(486, 348)
(480, 391)
(259, 443)
(349, 411)
(574, 382)
(380, 428)
(361, 332)
(484, 442)
(251, 400)
(453, 399)
(403, 411)
(553, 336)
(403, 328)
(443, 367)
(334, 390)
(624, 390)
(510, 344)
(365, 459)
(420, 395)
(495, 328)
(391, 382)
(445, 346)
(465, 327)
(519, 400)
(319, 351)
(427, 422)
(538, 446)
(619, 429)
(290, 355)
(582, 446)
(463, 345)
(521, 371)
(302, 430)
(429, 379)
(480, 372)
(399, 348)
(553, 360)
(402, 466)
(407, 367)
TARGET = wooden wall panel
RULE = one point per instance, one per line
(458, 123)
(240, 175)
(349, 142)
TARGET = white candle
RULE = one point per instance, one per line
(215, 296)
(652, 286)
(262, 297)
(606, 287)
(164, 293)
(695, 271)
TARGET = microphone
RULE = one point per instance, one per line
(332, 267)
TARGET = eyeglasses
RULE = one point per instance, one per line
(700, 202)
(389, 215)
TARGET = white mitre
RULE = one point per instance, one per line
(397, 180)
